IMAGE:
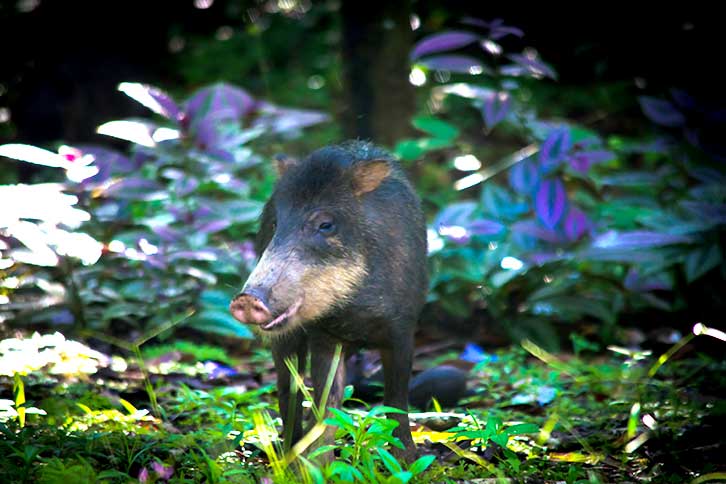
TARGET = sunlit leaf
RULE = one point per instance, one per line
(153, 98)
(139, 132)
(35, 155)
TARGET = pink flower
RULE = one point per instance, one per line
(164, 472)
(144, 475)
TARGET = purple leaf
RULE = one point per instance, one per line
(455, 214)
(186, 186)
(497, 33)
(247, 249)
(634, 281)
(550, 202)
(496, 27)
(715, 212)
(477, 22)
(693, 136)
(205, 255)
(554, 148)
(636, 239)
(533, 66)
(576, 224)
(212, 227)
(484, 227)
(583, 160)
(661, 111)
(705, 174)
(455, 63)
(533, 229)
(166, 234)
(442, 42)
(683, 99)
(541, 258)
(109, 163)
(222, 101)
(220, 154)
(524, 176)
(496, 108)
(134, 187)
(280, 120)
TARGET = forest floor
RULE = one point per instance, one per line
(186, 412)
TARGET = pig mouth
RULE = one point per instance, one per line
(284, 317)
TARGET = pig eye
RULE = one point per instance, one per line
(326, 228)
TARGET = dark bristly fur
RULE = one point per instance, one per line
(379, 244)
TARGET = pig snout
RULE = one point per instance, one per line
(250, 307)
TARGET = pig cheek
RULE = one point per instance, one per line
(330, 285)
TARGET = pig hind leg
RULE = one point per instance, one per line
(397, 371)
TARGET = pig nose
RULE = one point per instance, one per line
(250, 307)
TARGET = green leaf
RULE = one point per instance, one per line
(127, 405)
(389, 461)
(500, 439)
(400, 477)
(701, 260)
(19, 393)
(321, 450)
(121, 310)
(410, 150)
(436, 128)
(573, 307)
(214, 298)
(314, 472)
(219, 322)
(518, 429)
(421, 464)
(498, 203)
(238, 211)
(383, 409)
(341, 419)
(345, 472)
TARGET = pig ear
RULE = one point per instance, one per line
(283, 163)
(368, 175)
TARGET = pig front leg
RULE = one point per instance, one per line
(290, 403)
(322, 354)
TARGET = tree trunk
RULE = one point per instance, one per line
(377, 38)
